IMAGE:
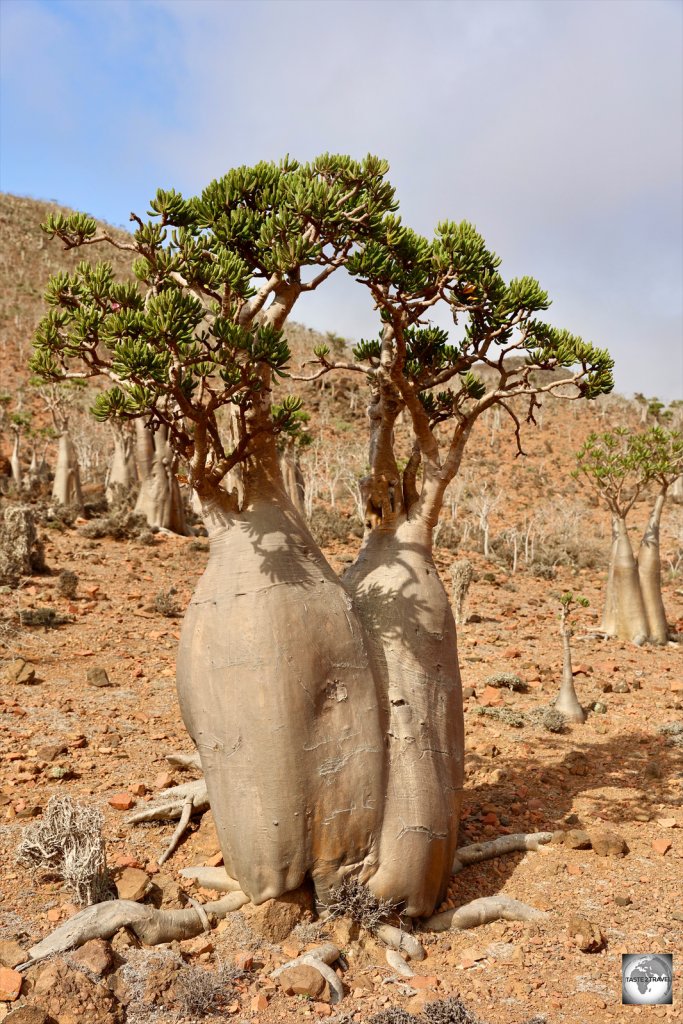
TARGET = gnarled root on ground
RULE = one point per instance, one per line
(518, 842)
(320, 958)
(404, 942)
(179, 802)
(211, 878)
(103, 920)
(482, 911)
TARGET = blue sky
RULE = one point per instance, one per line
(554, 126)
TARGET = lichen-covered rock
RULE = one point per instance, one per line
(21, 551)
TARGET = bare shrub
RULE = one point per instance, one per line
(67, 584)
(506, 680)
(328, 525)
(506, 715)
(166, 604)
(48, 618)
(119, 524)
(547, 718)
(353, 899)
(203, 993)
(69, 843)
(449, 1011)
(462, 574)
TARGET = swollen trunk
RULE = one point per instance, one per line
(159, 498)
(650, 575)
(567, 702)
(66, 487)
(630, 622)
(278, 694)
(405, 610)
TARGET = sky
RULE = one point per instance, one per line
(554, 125)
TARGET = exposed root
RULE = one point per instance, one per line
(151, 926)
(170, 803)
(327, 953)
(319, 958)
(497, 847)
(184, 760)
(398, 964)
(397, 939)
(211, 878)
(180, 830)
(482, 911)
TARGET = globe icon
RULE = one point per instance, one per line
(647, 980)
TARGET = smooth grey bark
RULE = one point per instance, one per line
(278, 693)
(650, 575)
(567, 702)
(66, 487)
(293, 478)
(404, 608)
(624, 614)
(15, 461)
(122, 473)
(159, 498)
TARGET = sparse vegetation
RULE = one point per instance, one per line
(69, 843)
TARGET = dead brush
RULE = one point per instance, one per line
(68, 842)
(165, 604)
(353, 899)
(201, 992)
(67, 584)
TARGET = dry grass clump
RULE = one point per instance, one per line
(68, 842)
(506, 680)
(505, 715)
(353, 899)
(166, 604)
(201, 992)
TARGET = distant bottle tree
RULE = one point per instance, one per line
(327, 712)
(619, 466)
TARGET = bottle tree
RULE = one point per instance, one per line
(619, 466)
(327, 713)
(567, 702)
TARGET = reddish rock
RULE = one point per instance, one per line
(11, 953)
(132, 884)
(585, 934)
(259, 1003)
(122, 801)
(164, 780)
(302, 981)
(661, 846)
(95, 956)
(10, 984)
(608, 844)
(424, 981)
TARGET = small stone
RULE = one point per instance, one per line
(599, 708)
(608, 844)
(677, 915)
(164, 780)
(244, 961)
(197, 947)
(623, 901)
(621, 687)
(122, 801)
(275, 919)
(259, 1003)
(323, 1009)
(125, 940)
(585, 934)
(19, 671)
(606, 687)
(468, 692)
(667, 822)
(97, 676)
(11, 953)
(10, 984)
(302, 981)
(132, 884)
(661, 846)
(54, 914)
(95, 956)
(51, 751)
(138, 789)
(424, 981)
(577, 839)
(27, 1015)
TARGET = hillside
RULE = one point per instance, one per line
(68, 730)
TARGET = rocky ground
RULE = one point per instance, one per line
(64, 733)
